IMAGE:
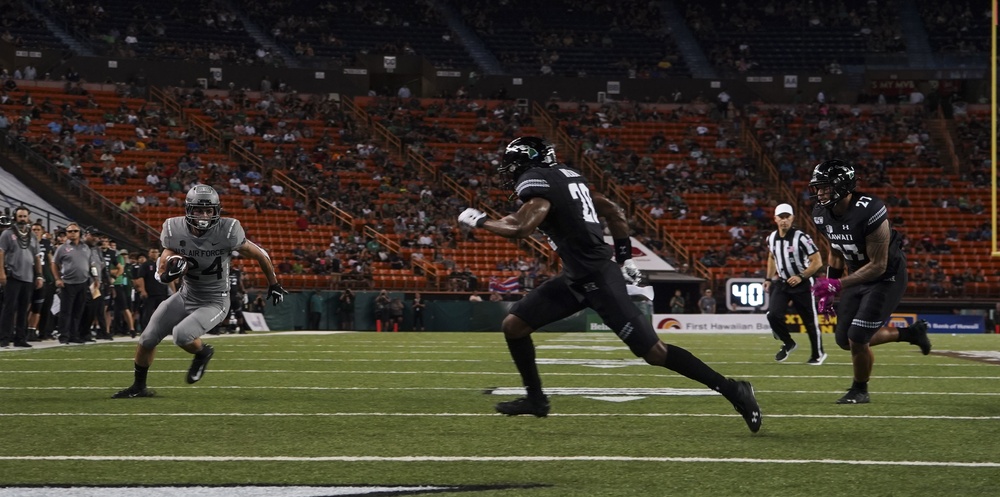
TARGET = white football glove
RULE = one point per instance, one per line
(645, 292)
(472, 217)
(631, 273)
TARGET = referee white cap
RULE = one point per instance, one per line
(783, 209)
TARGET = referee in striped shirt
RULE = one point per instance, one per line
(792, 261)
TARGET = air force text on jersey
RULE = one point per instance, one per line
(202, 253)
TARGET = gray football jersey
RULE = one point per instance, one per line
(19, 254)
(208, 255)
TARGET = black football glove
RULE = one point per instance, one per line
(276, 293)
(176, 266)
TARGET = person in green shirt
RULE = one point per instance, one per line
(122, 296)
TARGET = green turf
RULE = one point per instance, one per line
(410, 409)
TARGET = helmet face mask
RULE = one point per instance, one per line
(520, 155)
(202, 207)
(831, 181)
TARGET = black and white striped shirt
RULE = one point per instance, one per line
(791, 252)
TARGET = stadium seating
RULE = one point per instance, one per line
(596, 39)
(341, 31)
(178, 30)
(742, 37)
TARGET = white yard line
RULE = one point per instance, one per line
(603, 373)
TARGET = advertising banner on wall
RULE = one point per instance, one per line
(757, 323)
(711, 323)
(949, 323)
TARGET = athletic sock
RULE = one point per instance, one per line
(140, 376)
(861, 386)
(685, 363)
(905, 335)
(522, 350)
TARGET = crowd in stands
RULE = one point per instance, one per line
(740, 37)
(576, 38)
(329, 156)
(685, 167)
(340, 30)
(191, 30)
(962, 27)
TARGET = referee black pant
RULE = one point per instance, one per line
(805, 304)
(14, 316)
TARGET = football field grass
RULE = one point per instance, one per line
(416, 409)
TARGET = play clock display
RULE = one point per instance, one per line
(746, 294)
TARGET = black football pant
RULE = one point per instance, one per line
(41, 302)
(93, 309)
(14, 317)
(148, 306)
(805, 304)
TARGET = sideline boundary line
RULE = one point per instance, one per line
(478, 415)
(452, 459)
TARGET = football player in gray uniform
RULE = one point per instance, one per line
(197, 247)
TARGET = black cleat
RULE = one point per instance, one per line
(784, 351)
(854, 396)
(199, 362)
(133, 392)
(746, 404)
(920, 338)
(524, 405)
(817, 361)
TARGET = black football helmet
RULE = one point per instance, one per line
(202, 196)
(832, 173)
(522, 154)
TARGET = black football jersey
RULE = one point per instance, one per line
(847, 233)
(235, 275)
(572, 224)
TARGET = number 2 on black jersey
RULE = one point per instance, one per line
(578, 192)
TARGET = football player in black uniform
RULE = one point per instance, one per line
(237, 298)
(558, 201)
(857, 225)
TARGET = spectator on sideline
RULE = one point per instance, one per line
(677, 303)
(418, 312)
(347, 309)
(706, 304)
(396, 308)
(75, 275)
(150, 290)
(40, 319)
(382, 311)
(20, 273)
